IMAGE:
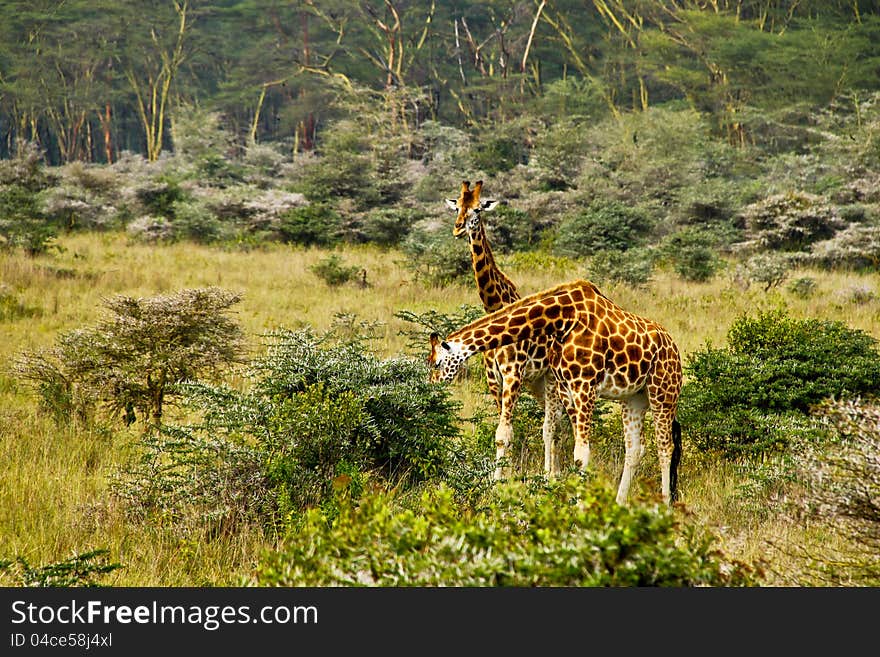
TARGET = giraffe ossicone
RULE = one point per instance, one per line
(513, 366)
(598, 350)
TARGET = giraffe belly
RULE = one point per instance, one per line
(615, 387)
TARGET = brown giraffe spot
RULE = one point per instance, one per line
(616, 343)
(634, 352)
(620, 359)
(633, 372)
(576, 296)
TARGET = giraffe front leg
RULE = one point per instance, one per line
(510, 389)
(581, 402)
(553, 411)
(633, 415)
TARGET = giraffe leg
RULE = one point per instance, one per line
(493, 378)
(580, 402)
(511, 382)
(544, 390)
(633, 412)
(667, 432)
(553, 411)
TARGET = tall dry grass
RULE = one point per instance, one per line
(53, 481)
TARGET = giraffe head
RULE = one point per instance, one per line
(445, 360)
(469, 206)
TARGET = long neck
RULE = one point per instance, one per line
(553, 311)
(495, 288)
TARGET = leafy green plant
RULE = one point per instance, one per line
(317, 413)
(83, 569)
(755, 395)
(334, 272)
(435, 257)
(315, 224)
(132, 358)
(602, 226)
(569, 533)
(632, 267)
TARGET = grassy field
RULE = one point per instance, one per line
(53, 482)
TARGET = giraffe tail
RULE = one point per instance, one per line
(676, 459)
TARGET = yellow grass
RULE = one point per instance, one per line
(53, 482)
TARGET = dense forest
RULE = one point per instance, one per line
(88, 79)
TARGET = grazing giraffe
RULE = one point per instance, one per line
(511, 366)
(598, 350)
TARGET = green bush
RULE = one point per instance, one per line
(22, 222)
(632, 267)
(602, 226)
(692, 253)
(569, 533)
(755, 394)
(315, 224)
(194, 221)
(435, 257)
(317, 413)
(333, 271)
(387, 226)
(344, 169)
(498, 153)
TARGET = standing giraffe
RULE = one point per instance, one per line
(513, 365)
(598, 350)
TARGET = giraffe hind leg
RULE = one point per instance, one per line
(676, 459)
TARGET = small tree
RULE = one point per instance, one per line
(130, 359)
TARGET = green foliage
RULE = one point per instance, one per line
(159, 195)
(769, 269)
(692, 253)
(318, 415)
(432, 321)
(509, 229)
(569, 533)
(434, 257)
(497, 153)
(333, 271)
(315, 224)
(557, 154)
(132, 357)
(789, 222)
(602, 226)
(345, 168)
(856, 247)
(754, 395)
(194, 221)
(632, 267)
(22, 222)
(83, 569)
(803, 287)
(387, 226)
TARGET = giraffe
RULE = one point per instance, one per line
(598, 350)
(510, 367)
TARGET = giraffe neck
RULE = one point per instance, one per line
(495, 288)
(556, 311)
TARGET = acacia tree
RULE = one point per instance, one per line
(150, 71)
(132, 357)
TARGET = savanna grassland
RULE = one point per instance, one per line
(54, 479)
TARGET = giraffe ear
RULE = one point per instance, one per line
(435, 338)
(488, 205)
(452, 203)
